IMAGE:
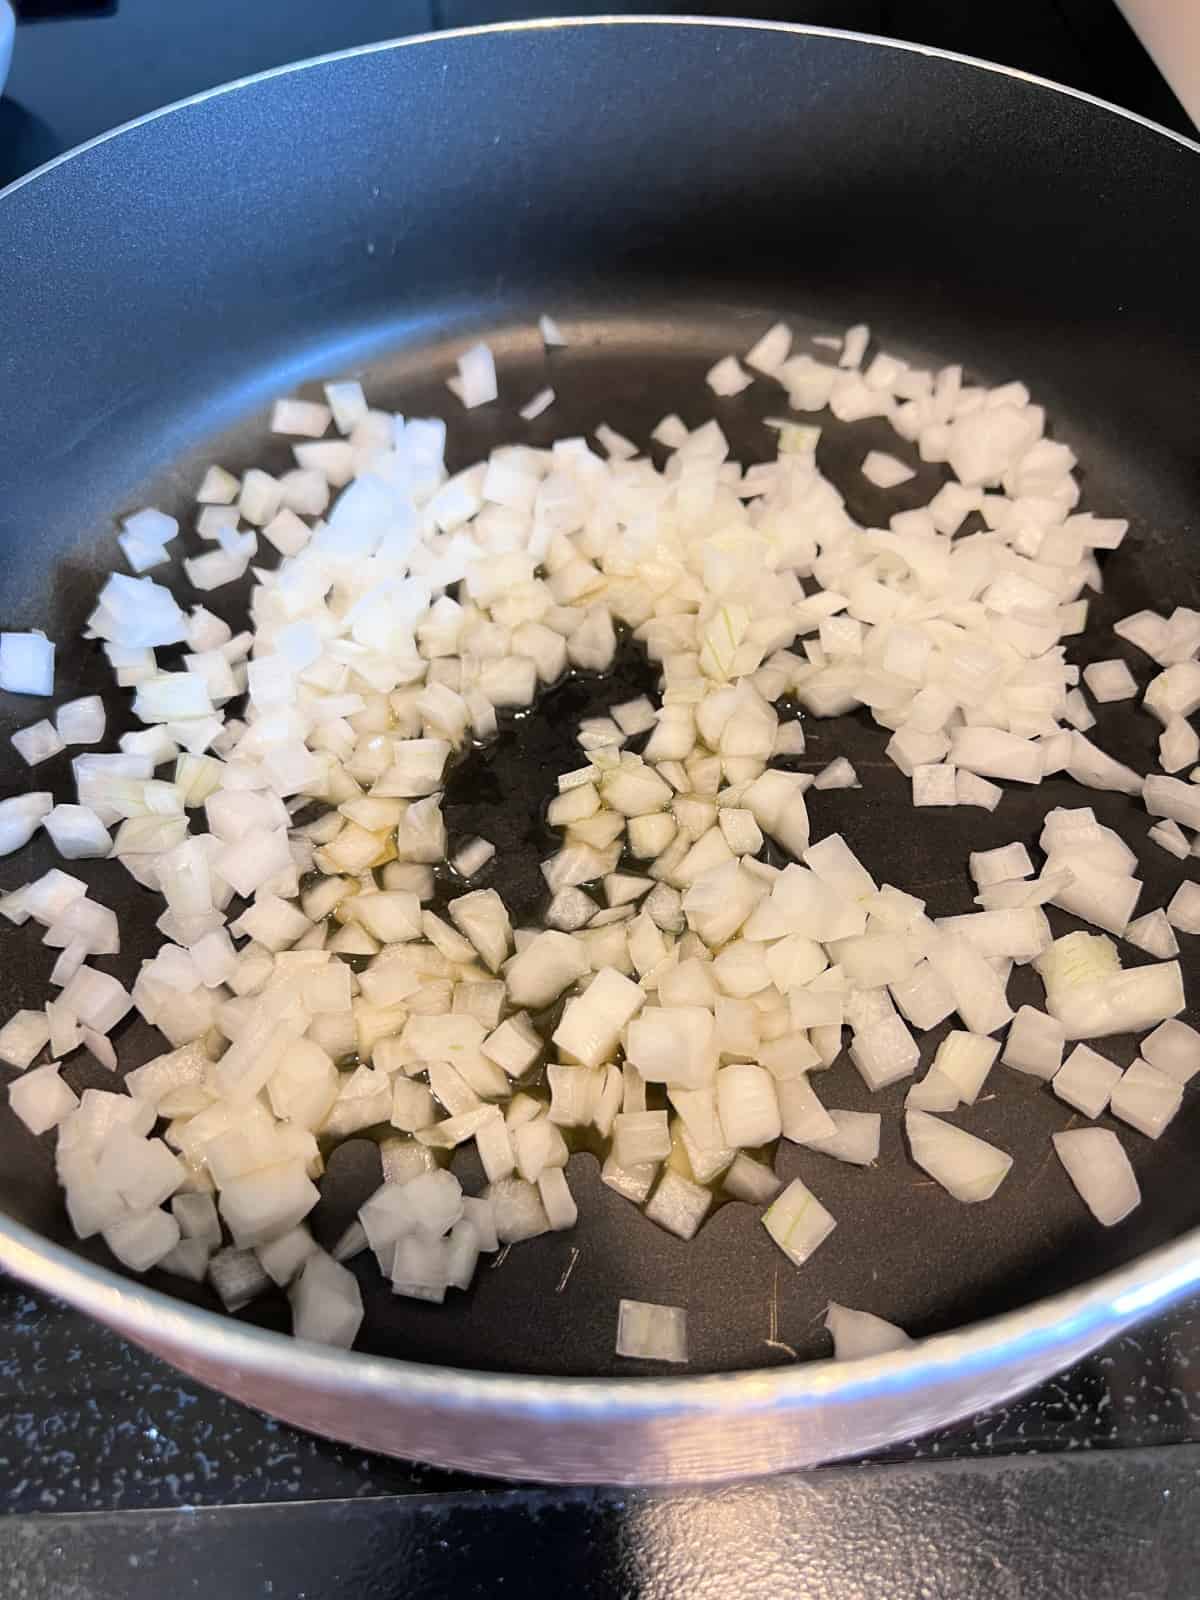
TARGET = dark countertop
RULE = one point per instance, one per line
(121, 1478)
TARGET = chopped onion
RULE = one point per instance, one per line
(884, 471)
(476, 376)
(1034, 1043)
(326, 1303)
(406, 610)
(798, 1222)
(41, 1099)
(1146, 1098)
(1183, 909)
(26, 663)
(678, 1205)
(968, 1168)
(856, 1139)
(1086, 1081)
(77, 832)
(37, 743)
(1154, 934)
(965, 1059)
(541, 401)
(727, 377)
(81, 721)
(651, 1332)
(1110, 680)
(858, 1333)
(1100, 1170)
(1173, 1048)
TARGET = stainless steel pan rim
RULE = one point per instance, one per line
(1018, 1347)
(1080, 1318)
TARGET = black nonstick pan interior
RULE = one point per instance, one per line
(666, 192)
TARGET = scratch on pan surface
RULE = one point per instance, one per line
(568, 1270)
(499, 1261)
(1050, 1154)
(774, 1342)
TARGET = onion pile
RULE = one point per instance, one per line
(307, 991)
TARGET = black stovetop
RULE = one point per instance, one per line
(1068, 1491)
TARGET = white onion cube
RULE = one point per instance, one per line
(141, 1241)
(1086, 1080)
(41, 1099)
(968, 1168)
(678, 1206)
(1146, 1098)
(26, 663)
(1174, 1048)
(326, 1303)
(1099, 1168)
(798, 1222)
(649, 1332)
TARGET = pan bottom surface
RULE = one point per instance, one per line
(903, 1248)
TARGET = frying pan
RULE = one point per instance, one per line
(666, 189)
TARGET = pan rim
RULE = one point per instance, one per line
(1094, 1311)
(546, 24)
(1098, 1310)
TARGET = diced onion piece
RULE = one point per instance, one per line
(935, 1092)
(326, 1303)
(769, 352)
(884, 471)
(966, 1167)
(966, 1059)
(678, 1205)
(533, 407)
(1099, 1168)
(856, 1139)
(854, 345)
(559, 1205)
(997, 866)
(77, 832)
(839, 774)
(1110, 680)
(473, 856)
(26, 663)
(727, 377)
(81, 721)
(857, 1334)
(1034, 1043)
(1146, 1098)
(41, 1099)
(747, 1105)
(1183, 908)
(37, 743)
(751, 1180)
(217, 487)
(1173, 1048)
(1086, 1080)
(972, 790)
(1170, 837)
(798, 1222)
(591, 1023)
(477, 376)
(141, 1241)
(934, 785)
(649, 1332)
(303, 417)
(1154, 934)
(883, 1052)
(20, 818)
